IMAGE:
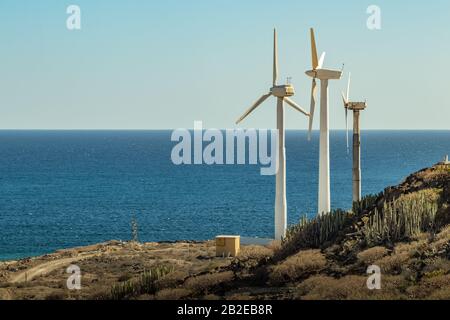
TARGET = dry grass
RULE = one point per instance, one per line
(371, 255)
(431, 288)
(402, 254)
(205, 283)
(173, 294)
(297, 266)
(349, 288)
(251, 257)
(255, 252)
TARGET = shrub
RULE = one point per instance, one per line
(297, 266)
(430, 288)
(398, 260)
(371, 255)
(349, 288)
(208, 282)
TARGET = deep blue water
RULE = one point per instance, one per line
(68, 188)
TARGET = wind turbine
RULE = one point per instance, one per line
(356, 107)
(282, 93)
(324, 75)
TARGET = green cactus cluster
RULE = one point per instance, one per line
(312, 233)
(403, 218)
(366, 203)
(146, 283)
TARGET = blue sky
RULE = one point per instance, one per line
(163, 64)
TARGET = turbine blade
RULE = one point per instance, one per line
(348, 86)
(315, 62)
(296, 106)
(344, 99)
(253, 107)
(346, 129)
(321, 60)
(275, 57)
(312, 107)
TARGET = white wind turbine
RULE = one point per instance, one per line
(281, 92)
(324, 75)
(356, 107)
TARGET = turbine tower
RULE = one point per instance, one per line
(282, 93)
(324, 75)
(356, 107)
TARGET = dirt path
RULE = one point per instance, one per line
(47, 267)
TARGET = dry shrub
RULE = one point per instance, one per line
(240, 296)
(371, 255)
(255, 252)
(436, 266)
(172, 294)
(442, 241)
(297, 266)
(402, 254)
(430, 287)
(349, 288)
(211, 297)
(57, 295)
(411, 248)
(328, 288)
(252, 256)
(274, 245)
(207, 282)
(393, 263)
(171, 280)
(444, 234)
(441, 294)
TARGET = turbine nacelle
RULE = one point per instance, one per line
(317, 72)
(324, 74)
(355, 106)
(283, 91)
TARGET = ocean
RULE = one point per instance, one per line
(61, 189)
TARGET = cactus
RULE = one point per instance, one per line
(144, 284)
(366, 203)
(313, 233)
(403, 218)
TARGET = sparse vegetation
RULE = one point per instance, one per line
(405, 231)
(202, 284)
(314, 233)
(367, 202)
(369, 256)
(145, 284)
(403, 218)
(298, 266)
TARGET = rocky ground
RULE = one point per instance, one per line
(416, 267)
